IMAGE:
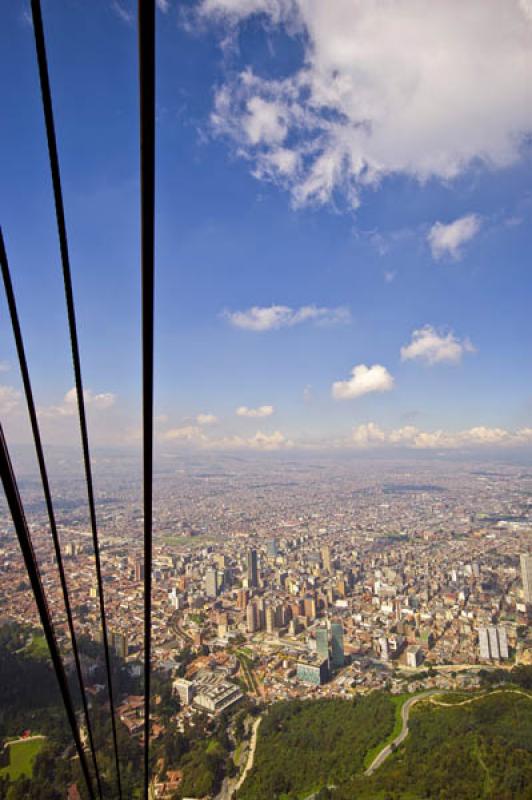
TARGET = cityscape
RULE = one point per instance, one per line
(266, 400)
(296, 578)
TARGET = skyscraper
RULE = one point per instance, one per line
(211, 582)
(322, 643)
(270, 619)
(251, 618)
(271, 548)
(526, 576)
(337, 645)
(326, 557)
(119, 644)
(253, 579)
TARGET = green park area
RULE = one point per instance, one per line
(38, 648)
(21, 755)
(330, 738)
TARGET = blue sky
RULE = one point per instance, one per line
(353, 194)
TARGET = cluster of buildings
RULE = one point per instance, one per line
(301, 578)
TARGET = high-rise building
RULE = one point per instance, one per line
(228, 577)
(253, 576)
(309, 605)
(176, 600)
(337, 645)
(326, 557)
(322, 643)
(251, 618)
(211, 582)
(119, 644)
(270, 619)
(503, 642)
(185, 690)
(526, 576)
(314, 672)
(493, 643)
(271, 548)
(139, 570)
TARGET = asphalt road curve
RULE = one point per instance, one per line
(405, 713)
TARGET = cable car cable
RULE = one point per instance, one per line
(146, 48)
(69, 296)
(21, 527)
(19, 343)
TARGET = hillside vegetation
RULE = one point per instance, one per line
(304, 746)
(480, 750)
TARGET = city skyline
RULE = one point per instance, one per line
(320, 284)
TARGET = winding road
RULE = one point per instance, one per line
(405, 713)
(251, 754)
(232, 785)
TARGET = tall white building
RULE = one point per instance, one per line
(503, 643)
(484, 644)
(526, 576)
(493, 643)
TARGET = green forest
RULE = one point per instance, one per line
(478, 751)
(30, 701)
(305, 745)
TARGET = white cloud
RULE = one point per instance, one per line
(163, 5)
(261, 411)
(125, 14)
(193, 435)
(267, 318)
(432, 347)
(206, 419)
(363, 381)
(384, 87)
(260, 441)
(187, 433)
(69, 406)
(448, 239)
(263, 122)
(233, 10)
(370, 435)
(9, 399)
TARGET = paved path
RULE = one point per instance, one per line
(405, 713)
(251, 754)
(479, 697)
(25, 739)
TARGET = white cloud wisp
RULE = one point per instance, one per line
(268, 318)
(371, 435)
(389, 87)
(432, 347)
(363, 380)
(449, 239)
(261, 411)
